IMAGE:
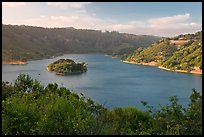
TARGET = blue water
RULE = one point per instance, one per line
(113, 83)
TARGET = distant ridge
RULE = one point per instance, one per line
(29, 42)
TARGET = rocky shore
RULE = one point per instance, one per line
(195, 71)
(15, 62)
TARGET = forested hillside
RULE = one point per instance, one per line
(186, 58)
(28, 42)
(183, 52)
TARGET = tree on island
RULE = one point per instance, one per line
(67, 66)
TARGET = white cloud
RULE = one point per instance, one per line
(13, 4)
(121, 27)
(81, 11)
(78, 21)
(165, 21)
(68, 4)
(164, 26)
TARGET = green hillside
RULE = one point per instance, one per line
(186, 58)
(183, 52)
(28, 42)
(156, 52)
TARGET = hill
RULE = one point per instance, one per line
(29, 42)
(182, 53)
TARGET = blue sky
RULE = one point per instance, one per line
(143, 18)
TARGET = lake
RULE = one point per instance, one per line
(113, 83)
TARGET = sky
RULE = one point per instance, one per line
(140, 18)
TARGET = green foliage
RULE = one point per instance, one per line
(129, 121)
(170, 117)
(186, 58)
(7, 90)
(19, 115)
(67, 66)
(197, 35)
(173, 119)
(29, 108)
(24, 83)
(193, 119)
(156, 52)
(57, 111)
(63, 116)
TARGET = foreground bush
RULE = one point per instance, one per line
(29, 108)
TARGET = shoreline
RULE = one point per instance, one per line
(64, 74)
(160, 67)
(145, 64)
(182, 71)
(48, 69)
(14, 62)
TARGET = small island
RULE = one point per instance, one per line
(67, 67)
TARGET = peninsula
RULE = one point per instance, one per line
(182, 53)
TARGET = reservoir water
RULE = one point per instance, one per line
(113, 83)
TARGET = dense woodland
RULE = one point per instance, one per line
(186, 58)
(183, 52)
(29, 108)
(28, 42)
